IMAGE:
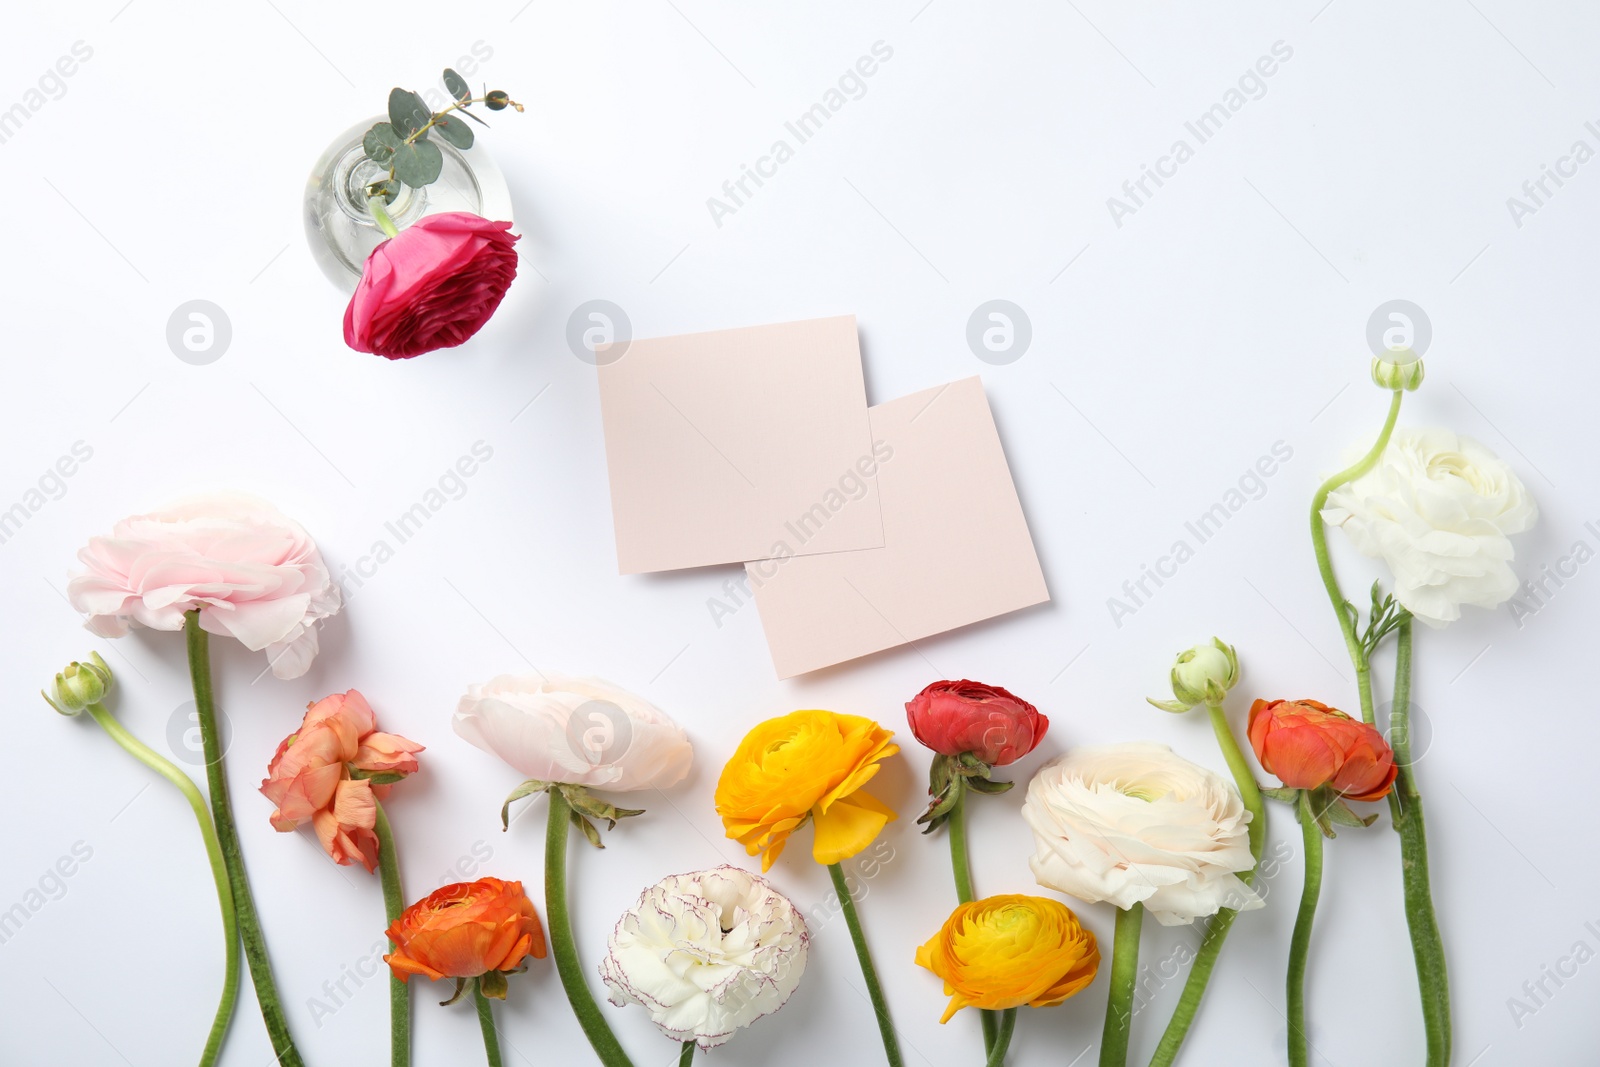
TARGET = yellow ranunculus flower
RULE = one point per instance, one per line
(1005, 951)
(807, 764)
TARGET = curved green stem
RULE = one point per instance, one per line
(219, 870)
(1245, 779)
(1319, 542)
(1124, 977)
(1405, 807)
(491, 1040)
(880, 1007)
(394, 902)
(562, 947)
(1002, 1039)
(686, 1057)
(255, 943)
(957, 825)
(378, 207)
(1205, 959)
(1300, 942)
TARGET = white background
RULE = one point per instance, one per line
(1168, 354)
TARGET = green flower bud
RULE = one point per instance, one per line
(1202, 675)
(1398, 368)
(80, 685)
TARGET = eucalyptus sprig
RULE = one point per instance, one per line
(403, 143)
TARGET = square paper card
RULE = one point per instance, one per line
(739, 444)
(956, 545)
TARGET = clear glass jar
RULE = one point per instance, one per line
(340, 230)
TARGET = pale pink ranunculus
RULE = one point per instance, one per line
(577, 731)
(432, 286)
(254, 575)
(310, 778)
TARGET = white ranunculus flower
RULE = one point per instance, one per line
(1136, 823)
(577, 731)
(707, 953)
(1438, 509)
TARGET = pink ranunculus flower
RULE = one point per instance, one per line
(310, 777)
(432, 286)
(253, 574)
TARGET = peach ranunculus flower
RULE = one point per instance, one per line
(800, 766)
(483, 929)
(1005, 951)
(252, 574)
(1309, 745)
(333, 771)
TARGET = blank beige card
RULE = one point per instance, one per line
(956, 545)
(739, 444)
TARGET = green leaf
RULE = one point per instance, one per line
(418, 164)
(407, 112)
(452, 129)
(1343, 816)
(526, 789)
(492, 984)
(461, 987)
(984, 785)
(380, 143)
(376, 777)
(456, 85)
(588, 829)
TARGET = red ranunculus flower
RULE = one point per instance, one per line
(1309, 745)
(432, 286)
(956, 717)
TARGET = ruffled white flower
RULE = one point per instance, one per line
(1438, 509)
(707, 953)
(578, 731)
(1137, 823)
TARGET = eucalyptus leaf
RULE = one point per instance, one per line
(454, 130)
(418, 164)
(380, 143)
(407, 112)
(456, 85)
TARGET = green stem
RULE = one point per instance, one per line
(1319, 542)
(562, 947)
(1300, 942)
(1245, 779)
(1405, 807)
(394, 902)
(1124, 977)
(686, 1057)
(491, 1040)
(880, 1007)
(957, 824)
(1205, 959)
(255, 944)
(219, 870)
(378, 207)
(1002, 1040)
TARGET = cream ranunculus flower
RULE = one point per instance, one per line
(252, 573)
(1136, 823)
(707, 953)
(1438, 509)
(576, 731)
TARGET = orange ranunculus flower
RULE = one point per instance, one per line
(1005, 951)
(805, 765)
(466, 930)
(1309, 745)
(309, 778)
